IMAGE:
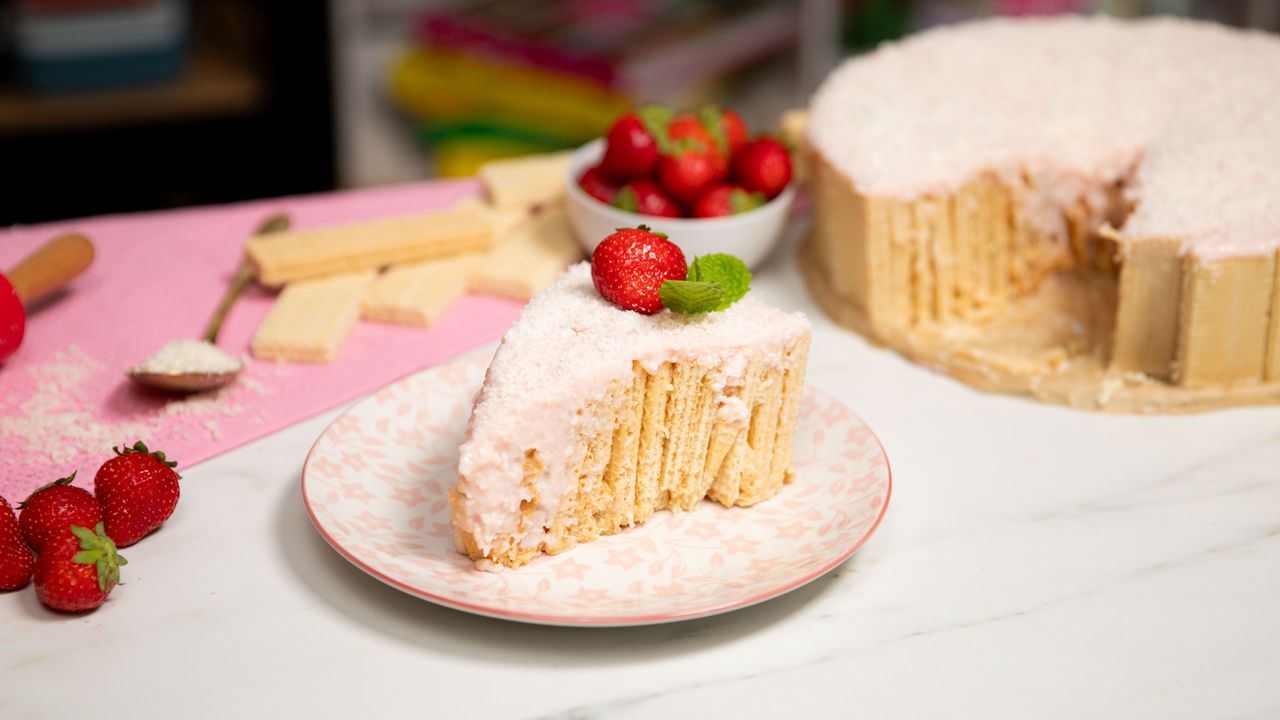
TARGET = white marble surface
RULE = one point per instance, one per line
(1036, 562)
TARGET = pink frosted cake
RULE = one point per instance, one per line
(592, 418)
(1084, 209)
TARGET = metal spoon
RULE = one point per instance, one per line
(194, 380)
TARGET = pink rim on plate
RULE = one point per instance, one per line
(376, 486)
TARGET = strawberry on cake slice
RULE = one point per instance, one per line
(636, 383)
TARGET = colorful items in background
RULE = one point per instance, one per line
(1040, 7)
(870, 22)
(68, 45)
(498, 79)
(867, 23)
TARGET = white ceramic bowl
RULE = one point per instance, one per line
(750, 235)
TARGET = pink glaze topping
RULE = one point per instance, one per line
(1185, 111)
(564, 351)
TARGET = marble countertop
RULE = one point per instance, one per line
(1036, 562)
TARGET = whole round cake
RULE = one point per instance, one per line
(1084, 209)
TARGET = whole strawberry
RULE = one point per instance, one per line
(48, 514)
(763, 165)
(15, 557)
(629, 267)
(700, 134)
(631, 145)
(138, 490)
(688, 172)
(724, 200)
(688, 127)
(595, 183)
(646, 198)
(78, 573)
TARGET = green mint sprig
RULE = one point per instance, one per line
(714, 283)
(691, 298)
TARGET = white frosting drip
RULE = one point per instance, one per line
(1074, 103)
(564, 351)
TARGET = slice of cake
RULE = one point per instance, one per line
(592, 417)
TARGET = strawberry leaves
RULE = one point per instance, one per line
(626, 199)
(141, 447)
(654, 118)
(98, 550)
(712, 118)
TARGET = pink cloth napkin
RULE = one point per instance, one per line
(64, 399)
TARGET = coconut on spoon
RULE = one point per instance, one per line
(189, 365)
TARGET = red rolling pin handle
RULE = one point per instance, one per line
(48, 268)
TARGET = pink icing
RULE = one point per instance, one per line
(565, 350)
(1074, 103)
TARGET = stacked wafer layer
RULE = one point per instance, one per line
(957, 256)
(657, 443)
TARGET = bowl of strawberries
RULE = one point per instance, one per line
(698, 177)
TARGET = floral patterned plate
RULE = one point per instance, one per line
(376, 483)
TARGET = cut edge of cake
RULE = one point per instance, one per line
(1123, 245)
(1160, 327)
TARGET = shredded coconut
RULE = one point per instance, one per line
(190, 356)
(1184, 113)
(59, 421)
(56, 420)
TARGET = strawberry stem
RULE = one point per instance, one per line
(141, 447)
(60, 481)
(645, 228)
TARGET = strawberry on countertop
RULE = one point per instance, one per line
(48, 514)
(629, 267)
(723, 200)
(138, 490)
(646, 198)
(77, 573)
(16, 561)
(763, 165)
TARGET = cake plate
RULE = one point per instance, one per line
(376, 487)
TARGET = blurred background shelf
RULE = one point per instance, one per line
(214, 84)
(246, 112)
(270, 97)
(385, 136)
